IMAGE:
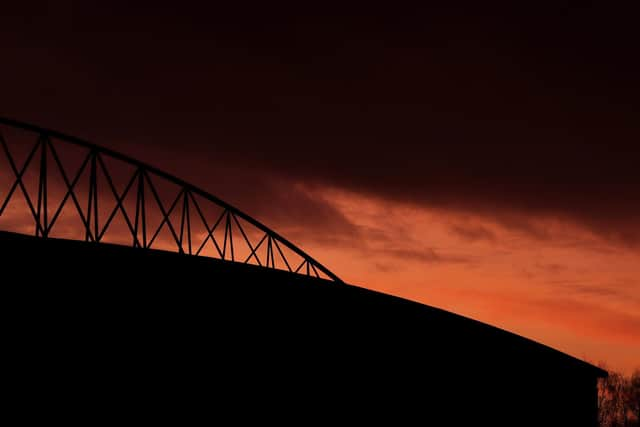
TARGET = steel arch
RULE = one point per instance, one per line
(46, 149)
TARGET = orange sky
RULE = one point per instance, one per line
(564, 286)
(548, 280)
(551, 281)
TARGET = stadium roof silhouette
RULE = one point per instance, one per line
(139, 323)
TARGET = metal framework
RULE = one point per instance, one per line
(92, 188)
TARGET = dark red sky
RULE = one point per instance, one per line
(508, 114)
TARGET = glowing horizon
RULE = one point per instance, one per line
(574, 292)
(545, 277)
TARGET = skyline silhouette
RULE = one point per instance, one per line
(164, 329)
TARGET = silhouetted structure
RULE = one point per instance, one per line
(102, 331)
(148, 202)
(181, 337)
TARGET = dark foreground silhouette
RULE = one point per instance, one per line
(98, 332)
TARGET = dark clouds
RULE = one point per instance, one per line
(503, 110)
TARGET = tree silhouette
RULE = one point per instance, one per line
(634, 395)
(619, 400)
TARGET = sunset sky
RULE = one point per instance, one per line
(478, 158)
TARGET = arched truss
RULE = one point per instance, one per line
(56, 175)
